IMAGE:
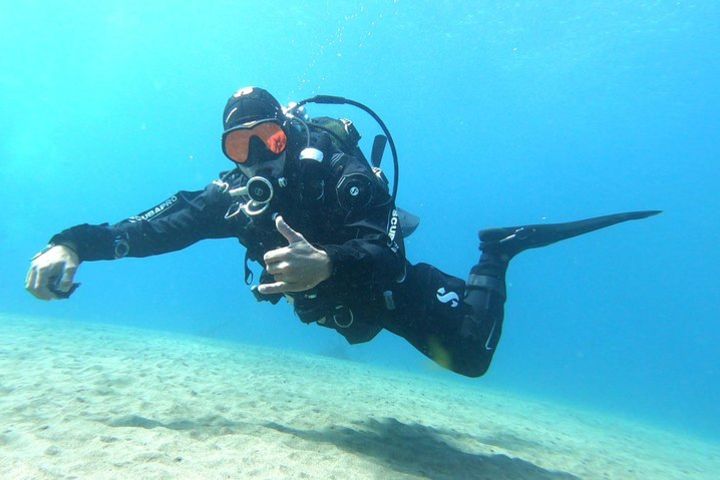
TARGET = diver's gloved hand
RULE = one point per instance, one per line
(297, 267)
(51, 273)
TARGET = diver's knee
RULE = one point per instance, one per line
(475, 366)
(475, 371)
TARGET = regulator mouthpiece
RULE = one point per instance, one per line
(257, 194)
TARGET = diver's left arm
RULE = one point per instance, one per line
(375, 256)
(369, 249)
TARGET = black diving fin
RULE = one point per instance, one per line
(513, 240)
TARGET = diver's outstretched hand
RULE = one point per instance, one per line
(297, 267)
(51, 273)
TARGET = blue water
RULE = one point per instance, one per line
(503, 113)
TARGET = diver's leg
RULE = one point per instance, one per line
(458, 324)
(455, 325)
(485, 294)
(485, 291)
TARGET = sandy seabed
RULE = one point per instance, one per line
(98, 401)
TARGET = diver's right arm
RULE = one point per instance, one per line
(52, 271)
(176, 223)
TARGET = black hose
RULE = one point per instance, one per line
(331, 99)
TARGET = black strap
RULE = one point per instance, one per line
(248, 273)
(485, 282)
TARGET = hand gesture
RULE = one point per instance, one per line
(297, 267)
(52, 272)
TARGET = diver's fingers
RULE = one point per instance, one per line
(30, 280)
(67, 277)
(284, 286)
(39, 284)
(277, 255)
(40, 277)
(276, 287)
(30, 277)
(286, 231)
(277, 268)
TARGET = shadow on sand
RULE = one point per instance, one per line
(209, 426)
(412, 449)
(419, 450)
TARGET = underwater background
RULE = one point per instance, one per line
(504, 113)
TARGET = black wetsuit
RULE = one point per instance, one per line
(342, 207)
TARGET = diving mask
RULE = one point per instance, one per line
(236, 141)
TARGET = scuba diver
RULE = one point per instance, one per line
(321, 220)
